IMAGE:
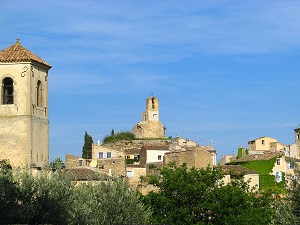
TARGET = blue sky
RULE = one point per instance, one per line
(226, 71)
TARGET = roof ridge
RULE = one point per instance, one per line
(17, 53)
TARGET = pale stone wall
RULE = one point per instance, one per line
(152, 156)
(149, 129)
(112, 166)
(24, 130)
(260, 144)
(197, 158)
(134, 172)
(99, 148)
(252, 178)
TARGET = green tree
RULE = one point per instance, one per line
(57, 164)
(9, 207)
(119, 136)
(197, 196)
(54, 198)
(87, 147)
(110, 202)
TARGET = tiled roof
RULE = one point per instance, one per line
(236, 170)
(253, 157)
(156, 147)
(17, 53)
(84, 174)
(132, 151)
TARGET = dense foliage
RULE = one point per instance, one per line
(288, 208)
(55, 198)
(119, 136)
(57, 164)
(266, 180)
(87, 147)
(197, 196)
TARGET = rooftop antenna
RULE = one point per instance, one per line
(212, 142)
(197, 141)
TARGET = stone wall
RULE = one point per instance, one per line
(197, 158)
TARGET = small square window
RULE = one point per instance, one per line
(159, 157)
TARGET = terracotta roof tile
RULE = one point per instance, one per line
(236, 170)
(156, 147)
(253, 157)
(17, 53)
(84, 174)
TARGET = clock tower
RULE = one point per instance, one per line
(150, 126)
(24, 124)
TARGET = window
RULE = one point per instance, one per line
(105, 155)
(136, 157)
(152, 103)
(159, 157)
(130, 173)
(291, 165)
(80, 162)
(7, 91)
(39, 96)
(278, 162)
(128, 157)
(263, 142)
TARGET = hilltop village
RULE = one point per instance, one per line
(24, 136)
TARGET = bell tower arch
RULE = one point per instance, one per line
(24, 124)
(152, 109)
(150, 126)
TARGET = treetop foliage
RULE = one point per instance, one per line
(55, 198)
(118, 136)
(198, 196)
(87, 147)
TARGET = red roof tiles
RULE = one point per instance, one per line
(17, 53)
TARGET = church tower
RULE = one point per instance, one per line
(24, 124)
(150, 126)
(297, 139)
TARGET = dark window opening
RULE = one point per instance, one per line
(7, 91)
(152, 103)
(39, 95)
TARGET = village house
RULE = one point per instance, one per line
(105, 160)
(153, 154)
(262, 144)
(293, 150)
(198, 157)
(239, 172)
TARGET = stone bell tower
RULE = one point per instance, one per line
(24, 125)
(150, 126)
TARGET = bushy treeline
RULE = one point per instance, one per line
(197, 196)
(55, 198)
(119, 136)
(186, 196)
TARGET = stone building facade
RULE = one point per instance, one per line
(198, 157)
(150, 126)
(24, 124)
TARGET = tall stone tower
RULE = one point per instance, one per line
(150, 126)
(297, 138)
(24, 124)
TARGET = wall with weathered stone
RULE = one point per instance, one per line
(24, 132)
